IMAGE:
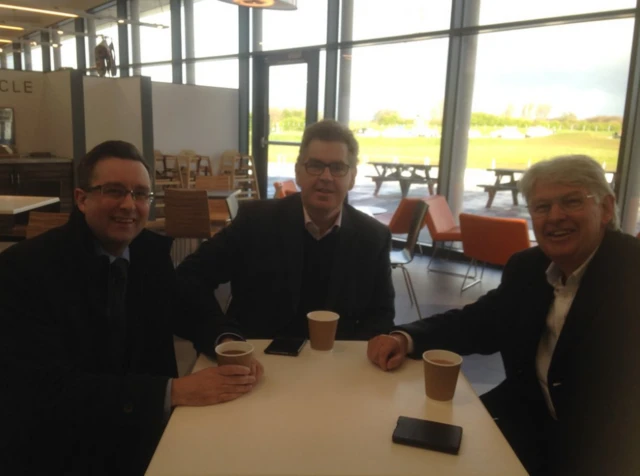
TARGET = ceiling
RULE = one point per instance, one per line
(41, 20)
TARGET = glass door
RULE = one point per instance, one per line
(285, 101)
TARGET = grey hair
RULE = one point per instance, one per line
(579, 170)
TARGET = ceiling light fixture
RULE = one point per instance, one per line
(38, 10)
(266, 4)
(2, 40)
(121, 21)
(7, 27)
(60, 32)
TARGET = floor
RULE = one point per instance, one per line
(436, 293)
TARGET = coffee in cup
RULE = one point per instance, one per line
(234, 353)
(322, 329)
(441, 369)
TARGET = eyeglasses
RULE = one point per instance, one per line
(316, 167)
(117, 192)
(567, 203)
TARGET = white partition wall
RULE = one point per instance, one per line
(199, 118)
(113, 110)
(56, 124)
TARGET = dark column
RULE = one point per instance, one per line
(344, 89)
(123, 37)
(81, 51)
(331, 74)
(243, 79)
(176, 40)
(17, 56)
(45, 41)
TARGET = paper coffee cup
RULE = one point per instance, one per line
(322, 329)
(234, 353)
(441, 369)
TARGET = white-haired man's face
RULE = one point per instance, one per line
(568, 222)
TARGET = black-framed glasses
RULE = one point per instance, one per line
(117, 191)
(316, 167)
(570, 203)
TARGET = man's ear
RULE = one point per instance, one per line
(608, 209)
(80, 196)
(298, 168)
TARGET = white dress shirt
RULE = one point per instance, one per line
(564, 294)
(314, 230)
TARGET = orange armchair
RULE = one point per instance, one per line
(284, 189)
(491, 240)
(442, 227)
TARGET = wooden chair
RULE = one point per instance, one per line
(166, 176)
(284, 189)
(401, 258)
(442, 228)
(218, 210)
(39, 222)
(491, 240)
(186, 218)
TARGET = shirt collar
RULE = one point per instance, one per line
(103, 252)
(554, 275)
(313, 229)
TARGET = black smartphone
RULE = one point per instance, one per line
(285, 346)
(427, 434)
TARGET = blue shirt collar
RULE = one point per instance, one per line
(102, 252)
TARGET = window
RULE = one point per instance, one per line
(540, 93)
(155, 43)
(215, 28)
(305, 26)
(68, 53)
(501, 11)
(380, 18)
(36, 58)
(220, 73)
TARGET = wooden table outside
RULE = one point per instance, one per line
(405, 174)
(511, 184)
(329, 413)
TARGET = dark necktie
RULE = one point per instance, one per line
(117, 312)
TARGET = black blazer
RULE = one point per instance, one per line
(261, 254)
(594, 375)
(62, 410)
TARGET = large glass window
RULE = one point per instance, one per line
(501, 11)
(215, 28)
(36, 58)
(68, 53)
(380, 18)
(8, 53)
(218, 73)
(305, 26)
(540, 93)
(155, 43)
(395, 109)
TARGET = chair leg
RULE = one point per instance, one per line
(406, 282)
(433, 255)
(475, 264)
(412, 291)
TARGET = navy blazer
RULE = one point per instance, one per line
(261, 254)
(594, 375)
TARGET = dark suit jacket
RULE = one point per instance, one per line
(594, 376)
(261, 254)
(62, 410)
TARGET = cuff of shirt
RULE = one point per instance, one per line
(228, 334)
(167, 401)
(409, 340)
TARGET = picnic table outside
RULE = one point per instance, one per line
(404, 174)
(510, 184)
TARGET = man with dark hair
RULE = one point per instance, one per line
(88, 313)
(309, 251)
(566, 320)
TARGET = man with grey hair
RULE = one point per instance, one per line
(309, 251)
(566, 319)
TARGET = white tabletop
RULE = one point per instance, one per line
(329, 414)
(14, 204)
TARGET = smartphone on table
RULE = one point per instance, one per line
(285, 346)
(428, 434)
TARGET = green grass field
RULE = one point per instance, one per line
(482, 153)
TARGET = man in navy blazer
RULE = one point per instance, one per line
(309, 251)
(566, 320)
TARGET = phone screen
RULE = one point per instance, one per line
(285, 346)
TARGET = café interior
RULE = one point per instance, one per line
(203, 88)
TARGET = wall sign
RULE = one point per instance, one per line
(13, 86)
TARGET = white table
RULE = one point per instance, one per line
(329, 414)
(14, 204)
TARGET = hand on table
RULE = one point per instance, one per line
(213, 385)
(388, 351)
